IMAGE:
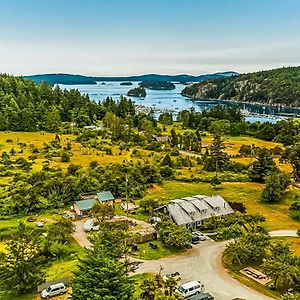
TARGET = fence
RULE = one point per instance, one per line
(139, 238)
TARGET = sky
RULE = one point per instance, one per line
(130, 37)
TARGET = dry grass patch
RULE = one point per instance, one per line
(246, 192)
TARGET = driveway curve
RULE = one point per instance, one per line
(203, 262)
(283, 233)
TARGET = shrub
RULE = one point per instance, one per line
(233, 231)
(294, 210)
(65, 157)
(172, 234)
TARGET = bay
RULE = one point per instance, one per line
(171, 100)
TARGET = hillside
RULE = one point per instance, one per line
(79, 79)
(274, 87)
(27, 106)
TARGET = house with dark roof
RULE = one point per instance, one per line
(87, 201)
(191, 211)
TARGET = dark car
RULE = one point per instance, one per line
(195, 239)
(202, 296)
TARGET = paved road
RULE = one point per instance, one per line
(80, 235)
(283, 233)
(203, 262)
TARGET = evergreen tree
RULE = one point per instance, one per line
(174, 138)
(21, 266)
(217, 158)
(262, 166)
(101, 277)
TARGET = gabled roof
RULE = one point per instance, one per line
(105, 196)
(197, 208)
(86, 204)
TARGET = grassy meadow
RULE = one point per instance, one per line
(246, 192)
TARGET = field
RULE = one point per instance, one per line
(80, 155)
(246, 192)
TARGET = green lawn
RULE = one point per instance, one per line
(61, 269)
(14, 297)
(234, 271)
(246, 192)
(146, 252)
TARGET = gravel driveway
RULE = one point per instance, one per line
(203, 263)
(80, 235)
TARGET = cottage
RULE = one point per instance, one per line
(82, 207)
(106, 197)
(87, 201)
(191, 211)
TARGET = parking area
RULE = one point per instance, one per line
(203, 262)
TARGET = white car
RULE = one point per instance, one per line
(201, 236)
(190, 288)
(53, 290)
(88, 225)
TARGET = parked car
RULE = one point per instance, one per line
(201, 236)
(88, 225)
(190, 288)
(175, 275)
(68, 215)
(153, 220)
(153, 245)
(53, 290)
(195, 239)
(202, 296)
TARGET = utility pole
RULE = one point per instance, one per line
(127, 194)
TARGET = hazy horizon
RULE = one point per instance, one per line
(121, 38)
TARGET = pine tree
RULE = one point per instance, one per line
(217, 158)
(262, 166)
(101, 277)
(174, 138)
(21, 267)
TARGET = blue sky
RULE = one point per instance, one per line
(120, 37)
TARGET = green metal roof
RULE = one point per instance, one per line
(105, 196)
(86, 204)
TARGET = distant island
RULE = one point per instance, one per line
(61, 78)
(126, 83)
(137, 92)
(157, 85)
(53, 79)
(278, 87)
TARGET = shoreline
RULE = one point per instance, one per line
(243, 102)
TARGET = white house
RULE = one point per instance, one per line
(191, 211)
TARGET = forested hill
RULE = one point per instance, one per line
(27, 106)
(80, 79)
(274, 87)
